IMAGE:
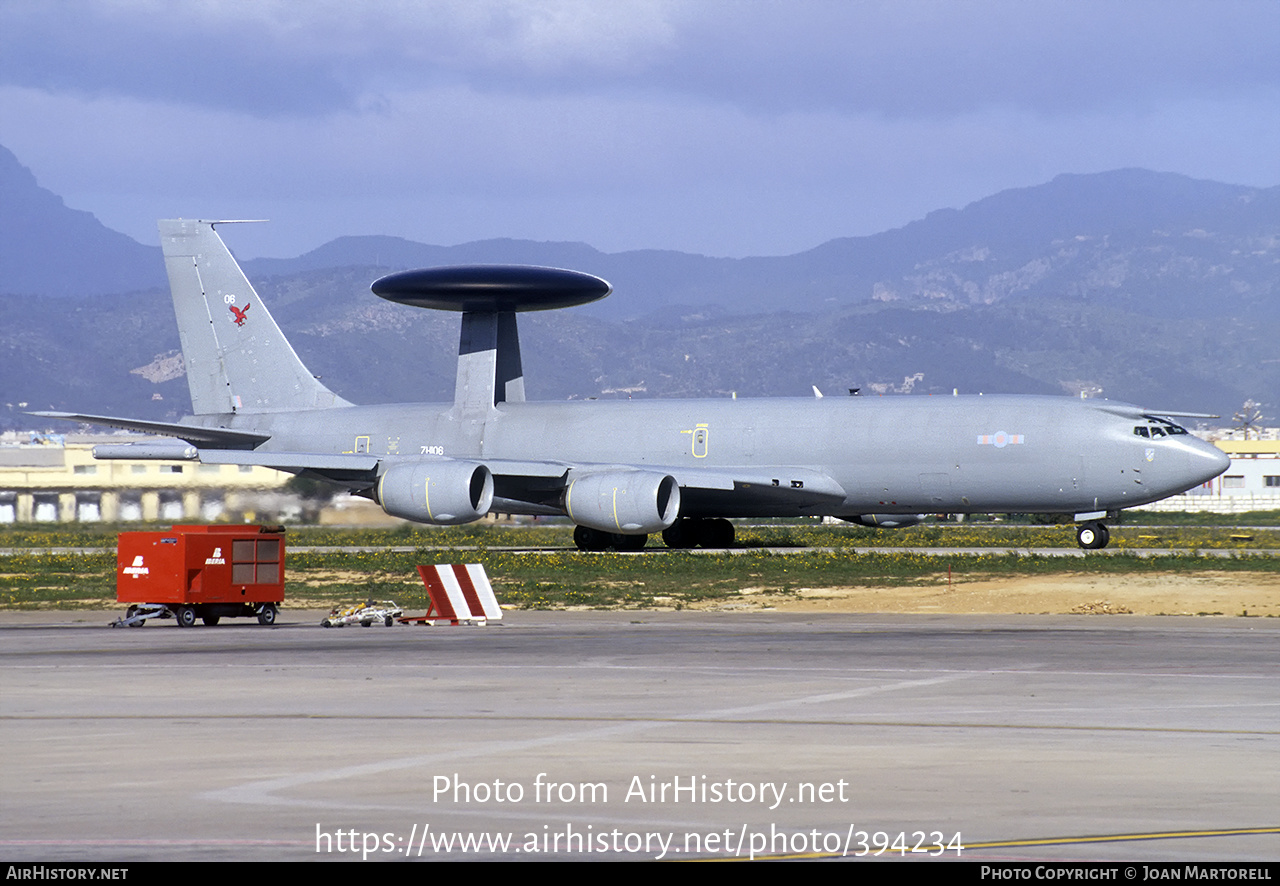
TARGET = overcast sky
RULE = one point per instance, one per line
(726, 128)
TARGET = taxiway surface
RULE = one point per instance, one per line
(1030, 737)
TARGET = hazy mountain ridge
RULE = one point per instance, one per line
(48, 249)
(1149, 240)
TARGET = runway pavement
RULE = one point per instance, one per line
(555, 734)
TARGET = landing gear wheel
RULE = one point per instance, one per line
(388, 621)
(629, 542)
(130, 613)
(712, 533)
(267, 614)
(211, 620)
(680, 535)
(588, 539)
(186, 616)
(717, 533)
(1092, 536)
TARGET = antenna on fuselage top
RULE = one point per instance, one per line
(489, 297)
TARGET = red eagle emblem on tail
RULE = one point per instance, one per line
(240, 312)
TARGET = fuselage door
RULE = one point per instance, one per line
(700, 441)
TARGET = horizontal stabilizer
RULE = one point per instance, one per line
(1165, 413)
(219, 438)
(1129, 410)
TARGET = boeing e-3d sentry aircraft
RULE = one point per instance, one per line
(622, 470)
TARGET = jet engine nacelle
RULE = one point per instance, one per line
(627, 502)
(885, 521)
(442, 492)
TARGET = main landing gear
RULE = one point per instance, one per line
(713, 533)
(1092, 536)
(709, 533)
(588, 539)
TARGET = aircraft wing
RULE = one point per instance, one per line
(538, 486)
(768, 477)
(768, 489)
(349, 465)
(725, 479)
(761, 489)
(505, 467)
(214, 438)
(291, 461)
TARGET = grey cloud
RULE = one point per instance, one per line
(898, 59)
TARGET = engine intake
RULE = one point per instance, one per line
(444, 492)
(627, 502)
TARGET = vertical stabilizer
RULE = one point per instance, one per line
(237, 358)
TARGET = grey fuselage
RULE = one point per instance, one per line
(888, 455)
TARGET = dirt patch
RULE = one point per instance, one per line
(324, 577)
(1205, 593)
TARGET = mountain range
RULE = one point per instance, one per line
(1136, 285)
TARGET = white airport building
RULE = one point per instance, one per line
(55, 479)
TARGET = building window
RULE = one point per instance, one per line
(171, 469)
(88, 508)
(1272, 481)
(209, 469)
(1233, 481)
(138, 469)
(85, 469)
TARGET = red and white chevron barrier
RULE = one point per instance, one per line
(460, 594)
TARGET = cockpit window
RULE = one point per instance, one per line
(1158, 427)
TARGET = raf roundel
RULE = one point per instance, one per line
(491, 288)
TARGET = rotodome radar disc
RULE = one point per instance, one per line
(491, 288)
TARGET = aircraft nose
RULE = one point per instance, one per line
(1206, 461)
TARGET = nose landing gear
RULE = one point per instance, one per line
(1092, 536)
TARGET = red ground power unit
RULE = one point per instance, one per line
(205, 572)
